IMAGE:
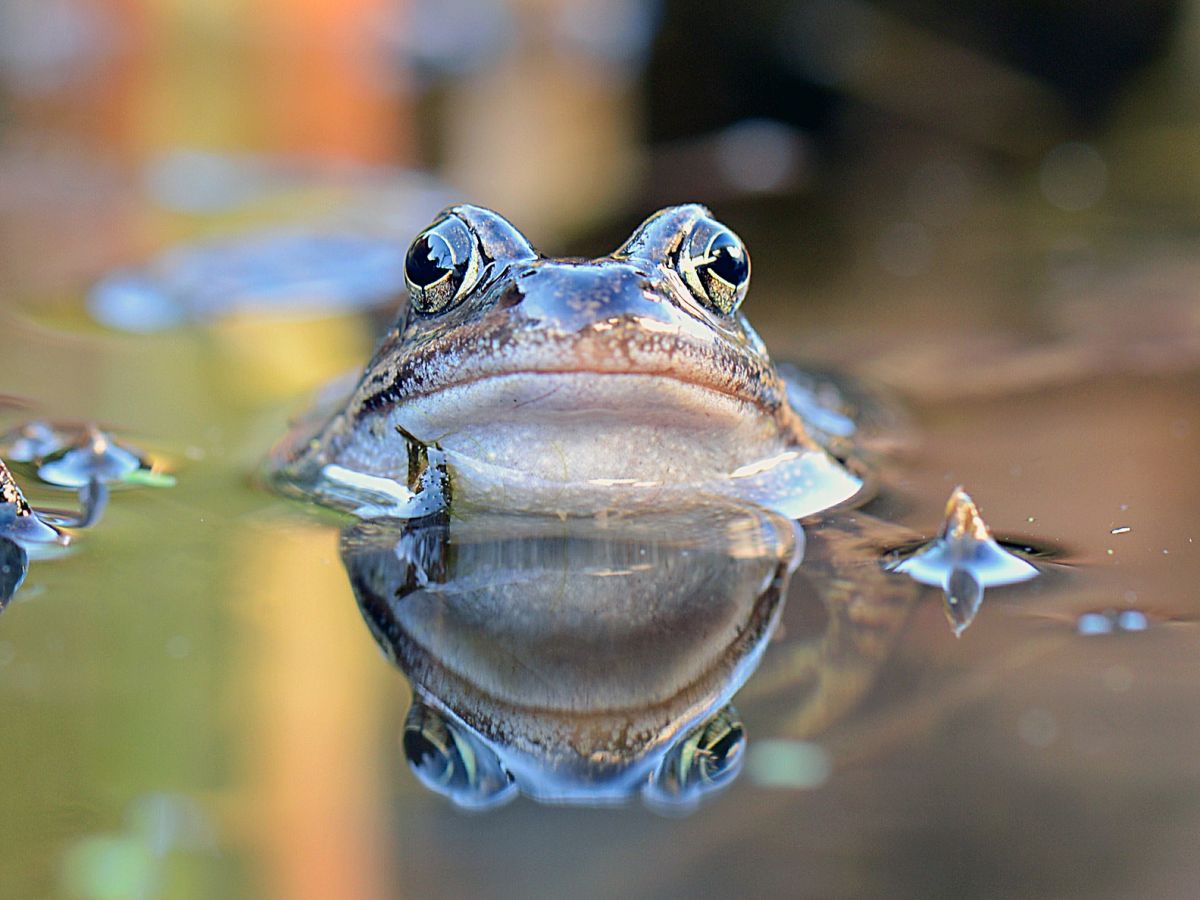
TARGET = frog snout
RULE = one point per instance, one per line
(574, 298)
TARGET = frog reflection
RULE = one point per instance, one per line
(579, 660)
(589, 661)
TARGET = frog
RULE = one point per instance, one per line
(582, 488)
(512, 380)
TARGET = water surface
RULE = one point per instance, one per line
(195, 707)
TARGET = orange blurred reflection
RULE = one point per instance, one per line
(323, 85)
(310, 721)
(305, 77)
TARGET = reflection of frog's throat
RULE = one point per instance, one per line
(580, 652)
(575, 728)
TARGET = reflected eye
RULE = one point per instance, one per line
(705, 760)
(453, 761)
(441, 265)
(714, 263)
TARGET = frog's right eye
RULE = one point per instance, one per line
(442, 264)
(453, 761)
(705, 760)
(715, 265)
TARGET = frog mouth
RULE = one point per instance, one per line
(579, 399)
(574, 372)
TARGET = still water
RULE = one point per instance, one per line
(196, 705)
(217, 692)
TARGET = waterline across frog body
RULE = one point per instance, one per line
(521, 382)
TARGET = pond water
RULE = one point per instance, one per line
(216, 691)
(195, 706)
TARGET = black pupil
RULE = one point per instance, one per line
(429, 259)
(727, 259)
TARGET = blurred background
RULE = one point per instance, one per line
(990, 209)
(990, 165)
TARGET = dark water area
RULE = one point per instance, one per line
(214, 691)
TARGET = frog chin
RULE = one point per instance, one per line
(568, 426)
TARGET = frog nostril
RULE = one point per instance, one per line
(510, 297)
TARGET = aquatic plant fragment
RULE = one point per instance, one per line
(83, 458)
(963, 560)
(19, 521)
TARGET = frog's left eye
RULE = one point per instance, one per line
(442, 264)
(453, 761)
(715, 265)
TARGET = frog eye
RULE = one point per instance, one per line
(706, 759)
(442, 264)
(715, 265)
(453, 761)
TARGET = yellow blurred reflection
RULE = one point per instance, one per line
(311, 689)
(260, 357)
